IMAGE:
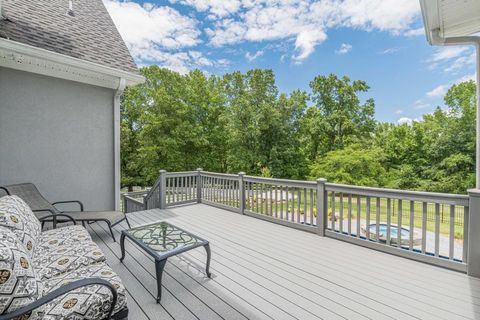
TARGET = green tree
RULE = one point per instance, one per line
(354, 164)
(341, 116)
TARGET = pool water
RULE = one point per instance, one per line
(382, 229)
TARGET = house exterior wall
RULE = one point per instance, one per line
(59, 135)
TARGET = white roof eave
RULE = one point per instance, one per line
(24, 57)
(448, 19)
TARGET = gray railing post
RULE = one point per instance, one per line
(241, 189)
(163, 189)
(124, 204)
(321, 207)
(199, 185)
(473, 255)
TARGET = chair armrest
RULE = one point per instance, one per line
(54, 215)
(61, 291)
(70, 201)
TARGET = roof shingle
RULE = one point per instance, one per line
(89, 35)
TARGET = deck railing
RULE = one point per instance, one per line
(429, 227)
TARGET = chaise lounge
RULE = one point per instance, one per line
(55, 274)
(42, 207)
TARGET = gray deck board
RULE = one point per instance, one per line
(266, 271)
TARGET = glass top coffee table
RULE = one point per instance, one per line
(162, 240)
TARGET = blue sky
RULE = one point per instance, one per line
(379, 41)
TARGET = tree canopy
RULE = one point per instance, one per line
(241, 122)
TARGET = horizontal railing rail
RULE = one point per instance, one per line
(426, 226)
(132, 202)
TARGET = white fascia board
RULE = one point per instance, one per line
(28, 58)
(430, 16)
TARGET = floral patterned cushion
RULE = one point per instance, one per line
(17, 216)
(19, 284)
(51, 240)
(65, 258)
(90, 302)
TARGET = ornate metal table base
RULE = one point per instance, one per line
(162, 240)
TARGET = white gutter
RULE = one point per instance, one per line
(116, 137)
(436, 39)
(70, 62)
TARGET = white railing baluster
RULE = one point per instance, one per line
(424, 227)
(399, 224)
(359, 215)
(340, 223)
(412, 225)
(281, 203)
(312, 205)
(349, 226)
(377, 219)
(466, 221)
(451, 243)
(332, 204)
(299, 201)
(437, 229)
(389, 221)
(367, 219)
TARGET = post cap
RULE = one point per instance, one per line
(163, 171)
(199, 169)
(241, 173)
(321, 180)
(474, 192)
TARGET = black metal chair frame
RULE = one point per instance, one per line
(53, 215)
(26, 310)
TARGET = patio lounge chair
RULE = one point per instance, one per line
(55, 274)
(42, 207)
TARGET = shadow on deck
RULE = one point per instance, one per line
(262, 270)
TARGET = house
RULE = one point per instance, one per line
(63, 68)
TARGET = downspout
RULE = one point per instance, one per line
(116, 137)
(468, 40)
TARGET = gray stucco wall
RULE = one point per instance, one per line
(57, 134)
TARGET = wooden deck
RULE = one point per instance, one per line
(262, 270)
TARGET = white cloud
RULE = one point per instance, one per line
(408, 121)
(399, 111)
(467, 77)
(446, 53)
(159, 34)
(415, 32)
(389, 50)
(217, 8)
(441, 90)
(461, 62)
(306, 42)
(250, 57)
(405, 120)
(147, 28)
(304, 22)
(344, 49)
(420, 104)
(437, 92)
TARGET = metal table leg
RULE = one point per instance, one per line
(159, 265)
(209, 255)
(122, 246)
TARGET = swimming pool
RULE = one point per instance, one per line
(382, 230)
